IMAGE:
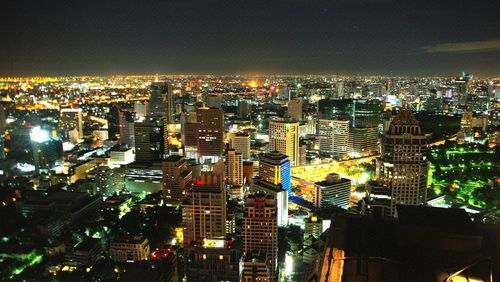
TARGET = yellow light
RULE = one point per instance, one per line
(253, 84)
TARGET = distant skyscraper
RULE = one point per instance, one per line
(403, 168)
(284, 138)
(72, 119)
(126, 128)
(244, 109)
(241, 143)
(204, 211)
(295, 109)
(161, 102)
(334, 191)
(141, 109)
(340, 89)
(3, 121)
(149, 140)
(260, 232)
(333, 136)
(46, 149)
(210, 142)
(363, 141)
(234, 168)
(176, 177)
(462, 85)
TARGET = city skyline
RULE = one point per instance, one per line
(252, 37)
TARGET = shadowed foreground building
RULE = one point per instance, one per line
(423, 244)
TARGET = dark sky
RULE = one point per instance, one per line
(388, 37)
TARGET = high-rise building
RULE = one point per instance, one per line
(72, 119)
(363, 141)
(244, 109)
(313, 227)
(295, 109)
(333, 191)
(126, 128)
(149, 140)
(234, 168)
(204, 210)
(141, 109)
(210, 142)
(176, 177)
(3, 121)
(161, 102)
(47, 150)
(260, 232)
(359, 113)
(403, 167)
(274, 168)
(214, 101)
(462, 85)
(333, 136)
(284, 138)
(241, 143)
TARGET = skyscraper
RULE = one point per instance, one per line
(210, 141)
(149, 140)
(46, 149)
(204, 210)
(313, 227)
(403, 167)
(260, 232)
(295, 109)
(274, 168)
(161, 102)
(462, 85)
(72, 119)
(141, 109)
(333, 136)
(284, 138)
(241, 143)
(176, 177)
(126, 128)
(234, 168)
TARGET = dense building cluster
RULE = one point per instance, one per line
(232, 178)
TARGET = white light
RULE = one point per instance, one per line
(39, 135)
(288, 265)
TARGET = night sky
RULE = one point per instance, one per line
(386, 37)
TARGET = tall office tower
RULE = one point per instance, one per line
(126, 128)
(313, 227)
(260, 232)
(274, 168)
(47, 150)
(214, 101)
(149, 140)
(284, 93)
(204, 210)
(333, 191)
(359, 113)
(113, 118)
(210, 141)
(241, 143)
(284, 138)
(161, 102)
(462, 86)
(234, 168)
(295, 109)
(176, 177)
(141, 109)
(363, 141)
(72, 119)
(333, 136)
(340, 89)
(244, 109)
(403, 168)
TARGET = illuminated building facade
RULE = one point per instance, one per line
(313, 227)
(260, 232)
(234, 168)
(204, 210)
(403, 166)
(333, 136)
(333, 191)
(176, 177)
(210, 139)
(241, 143)
(274, 168)
(129, 248)
(284, 138)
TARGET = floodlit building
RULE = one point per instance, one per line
(333, 191)
(284, 138)
(129, 248)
